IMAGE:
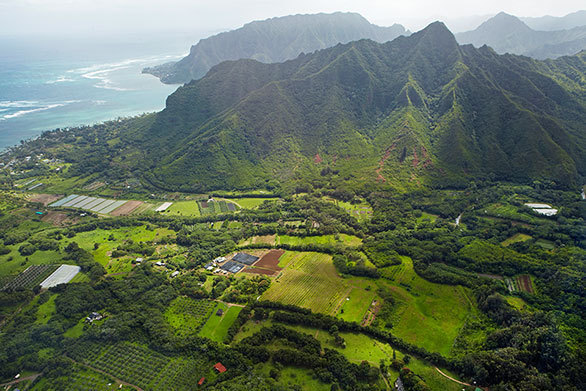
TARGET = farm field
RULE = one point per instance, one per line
(516, 239)
(139, 365)
(250, 203)
(361, 211)
(524, 283)
(354, 309)
(183, 208)
(19, 263)
(216, 327)
(86, 241)
(81, 379)
(326, 240)
(360, 347)
(425, 313)
(186, 315)
(31, 277)
(305, 274)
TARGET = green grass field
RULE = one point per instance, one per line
(515, 239)
(426, 217)
(183, 208)
(361, 211)
(250, 203)
(75, 331)
(307, 273)
(216, 328)
(86, 241)
(427, 314)
(354, 309)
(46, 310)
(81, 378)
(360, 347)
(331, 240)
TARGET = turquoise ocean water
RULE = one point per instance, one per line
(48, 83)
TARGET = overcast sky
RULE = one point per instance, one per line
(103, 16)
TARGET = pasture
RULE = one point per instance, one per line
(427, 314)
(324, 240)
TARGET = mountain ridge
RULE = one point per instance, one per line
(416, 109)
(509, 34)
(273, 40)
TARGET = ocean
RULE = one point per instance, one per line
(48, 83)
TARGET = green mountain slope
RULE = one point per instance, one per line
(410, 111)
(508, 34)
(273, 40)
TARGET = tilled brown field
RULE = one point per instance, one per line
(270, 260)
(45, 199)
(127, 208)
(524, 283)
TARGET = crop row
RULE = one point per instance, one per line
(31, 277)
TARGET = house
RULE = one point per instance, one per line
(159, 263)
(93, 316)
(139, 260)
(175, 273)
(220, 368)
(200, 382)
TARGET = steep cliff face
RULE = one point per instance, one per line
(416, 108)
(273, 40)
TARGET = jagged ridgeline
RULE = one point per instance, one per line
(420, 108)
(273, 40)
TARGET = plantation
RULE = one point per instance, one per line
(139, 365)
(187, 315)
(31, 277)
(306, 274)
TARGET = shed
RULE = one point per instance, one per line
(200, 382)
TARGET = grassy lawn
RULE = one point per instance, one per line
(306, 274)
(353, 310)
(183, 208)
(250, 203)
(46, 310)
(516, 239)
(347, 240)
(76, 331)
(216, 328)
(427, 314)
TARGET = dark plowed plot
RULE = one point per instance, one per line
(524, 283)
(268, 264)
(270, 260)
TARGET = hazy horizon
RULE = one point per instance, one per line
(127, 17)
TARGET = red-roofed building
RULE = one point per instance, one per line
(200, 382)
(220, 368)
